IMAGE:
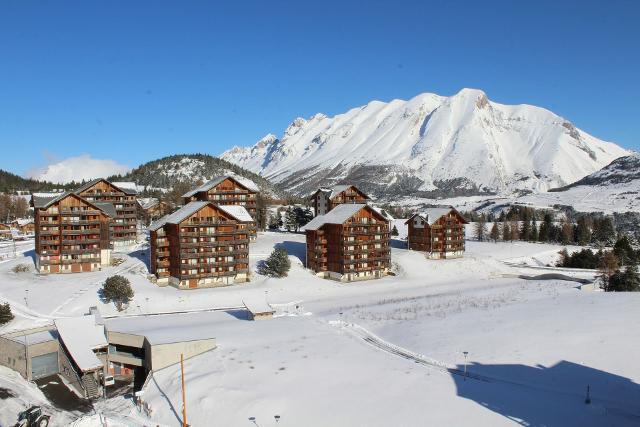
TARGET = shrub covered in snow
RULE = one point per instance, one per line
(21, 268)
(277, 265)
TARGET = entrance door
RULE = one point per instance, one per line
(44, 365)
(193, 283)
(86, 266)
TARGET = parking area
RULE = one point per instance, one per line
(60, 396)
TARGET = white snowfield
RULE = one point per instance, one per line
(437, 138)
(376, 353)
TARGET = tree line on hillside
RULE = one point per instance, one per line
(291, 218)
(617, 268)
(531, 225)
(12, 207)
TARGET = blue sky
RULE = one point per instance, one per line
(133, 81)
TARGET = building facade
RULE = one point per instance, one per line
(71, 234)
(201, 245)
(228, 191)
(349, 243)
(123, 198)
(325, 199)
(151, 209)
(439, 232)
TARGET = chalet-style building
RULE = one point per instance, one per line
(201, 245)
(325, 199)
(71, 233)
(228, 190)
(24, 225)
(151, 209)
(123, 197)
(437, 231)
(349, 243)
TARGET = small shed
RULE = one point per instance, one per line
(259, 310)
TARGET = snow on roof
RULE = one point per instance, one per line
(250, 185)
(107, 207)
(337, 215)
(257, 306)
(147, 202)
(126, 185)
(385, 213)
(431, 215)
(180, 215)
(23, 221)
(168, 328)
(35, 337)
(81, 336)
(238, 212)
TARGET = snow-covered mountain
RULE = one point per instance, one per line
(614, 188)
(430, 146)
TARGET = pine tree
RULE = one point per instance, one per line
(277, 265)
(567, 232)
(564, 258)
(290, 219)
(394, 231)
(525, 230)
(5, 313)
(515, 232)
(533, 233)
(506, 232)
(544, 235)
(583, 233)
(480, 229)
(608, 267)
(273, 222)
(117, 289)
(604, 232)
(495, 232)
(623, 250)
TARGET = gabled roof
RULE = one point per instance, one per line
(217, 180)
(39, 200)
(45, 202)
(334, 191)
(431, 215)
(87, 185)
(189, 209)
(338, 215)
(148, 202)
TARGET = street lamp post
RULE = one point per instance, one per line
(465, 364)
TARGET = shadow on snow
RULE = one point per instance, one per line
(553, 396)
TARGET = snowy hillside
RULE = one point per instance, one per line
(430, 146)
(190, 168)
(614, 188)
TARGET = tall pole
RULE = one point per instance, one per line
(184, 401)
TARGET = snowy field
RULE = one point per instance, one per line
(378, 353)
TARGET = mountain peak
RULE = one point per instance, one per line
(432, 144)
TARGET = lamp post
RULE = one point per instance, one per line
(277, 418)
(465, 364)
(26, 298)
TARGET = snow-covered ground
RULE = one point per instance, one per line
(533, 345)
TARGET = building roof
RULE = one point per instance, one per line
(126, 189)
(248, 184)
(126, 186)
(35, 337)
(147, 202)
(81, 335)
(168, 328)
(258, 306)
(385, 213)
(192, 207)
(337, 215)
(22, 221)
(431, 215)
(335, 190)
(238, 212)
(40, 202)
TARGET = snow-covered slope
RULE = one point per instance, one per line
(614, 188)
(430, 146)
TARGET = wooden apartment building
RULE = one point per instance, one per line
(71, 233)
(201, 245)
(151, 209)
(325, 199)
(439, 232)
(225, 191)
(123, 198)
(349, 243)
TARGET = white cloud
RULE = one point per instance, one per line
(78, 168)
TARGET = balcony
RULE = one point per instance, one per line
(79, 241)
(80, 212)
(126, 357)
